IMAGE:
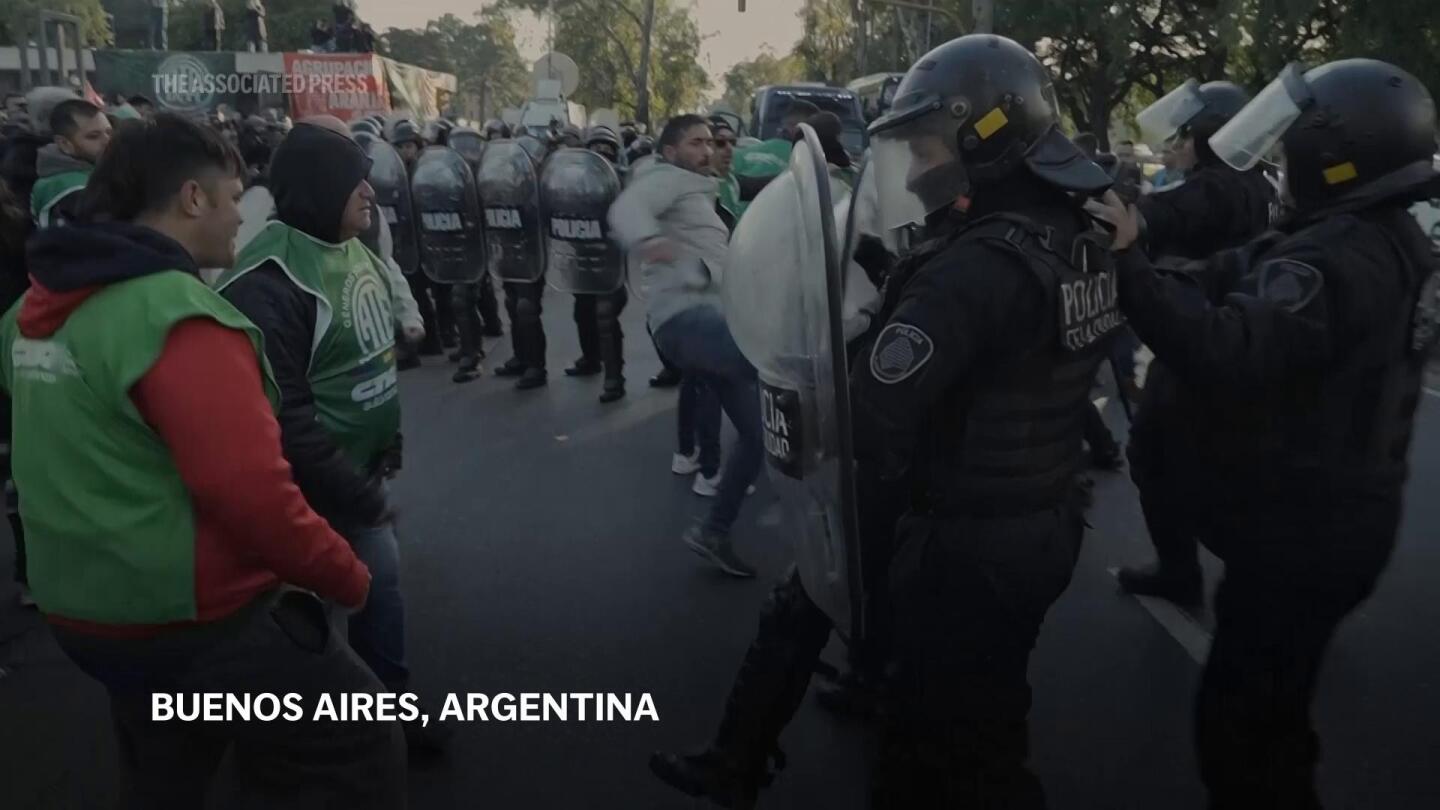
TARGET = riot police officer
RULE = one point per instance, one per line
(973, 395)
(1307, 348)
(597, 317)
(1216, 208)
(439, 325)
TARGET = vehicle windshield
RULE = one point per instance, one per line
(852, 134)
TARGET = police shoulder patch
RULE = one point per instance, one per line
(1289, 284)
(899, 352)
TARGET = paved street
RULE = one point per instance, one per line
(541, 552)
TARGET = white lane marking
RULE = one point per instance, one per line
(1188, 633)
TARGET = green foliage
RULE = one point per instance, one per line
(481, 54)
(606, 38)
(745, 78)
(15, 15)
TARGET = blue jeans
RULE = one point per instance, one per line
(377, 631)
(698, 418)
(699, 343)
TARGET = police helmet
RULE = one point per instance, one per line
(1354, 131)
(1192, 110)
(969, 114)
(405, 131)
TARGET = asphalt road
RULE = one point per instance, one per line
(541, 553)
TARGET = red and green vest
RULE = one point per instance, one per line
(51, 190)
(352, 360)
(109, 528)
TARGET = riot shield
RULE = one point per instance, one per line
(469, 143)
(576, 189)
(452, 243)
(510, 194)
(391, 183)
(784, 290)
(533, 146)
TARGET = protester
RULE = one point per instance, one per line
(165, 554)
(324, 304)
(81, 133)
(668, 215)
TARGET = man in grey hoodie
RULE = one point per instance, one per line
(667, 216)
(81, 132)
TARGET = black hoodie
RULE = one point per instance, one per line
(312, 175)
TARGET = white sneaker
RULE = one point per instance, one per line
(710, 487)
(707, 487)
(685, 465)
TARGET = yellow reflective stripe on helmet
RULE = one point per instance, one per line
(991, 123)
(1341, 173)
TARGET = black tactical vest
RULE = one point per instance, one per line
(1009, 442)
(1347, 430)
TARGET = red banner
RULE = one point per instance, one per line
(345, 85)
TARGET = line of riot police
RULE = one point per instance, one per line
(467, 207)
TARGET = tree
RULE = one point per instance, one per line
(628, 51)
(482, 55)
(827, 48)
(19, 15)
(742, 80)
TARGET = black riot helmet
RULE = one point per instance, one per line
(364, 125)
(1352, 133)
(495, 130)
(438, 132)
(1192, 110)
(603, 140)
(405, 131)
(968, 115)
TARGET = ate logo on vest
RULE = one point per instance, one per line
(586, 230)
(503, 218)
(365, 309)
(43, 360)
(900, 351)
(442, 221)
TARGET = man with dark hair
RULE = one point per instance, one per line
(81, 131)
(168, 553)
(142, 105)
(325, 306)
(796, 114)
(667, 216)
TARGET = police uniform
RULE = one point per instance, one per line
(1215, 209)
(974, 395)
(1304, 352)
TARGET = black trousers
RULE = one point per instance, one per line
(602, 340)
(489, 306)
(280, 643)
(968, 598)
(420, 288)
(527, 334)
(1159, 455)
(1275, 613)
(464, 303)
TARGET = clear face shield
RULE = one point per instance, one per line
(917, 164)
(1252, 135)
(1162, 121)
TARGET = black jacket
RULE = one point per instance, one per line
(312, 176)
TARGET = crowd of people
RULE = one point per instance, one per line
(163, 277)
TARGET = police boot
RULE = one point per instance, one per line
(1181, 584)
(510, 368)
(707, 774)
(584, 367)
(532, 378)
(493, 329)
(469, 369)
(667, 378)
(614, 389)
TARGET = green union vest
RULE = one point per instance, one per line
(50, 190)
(352, 361)
(109, 528)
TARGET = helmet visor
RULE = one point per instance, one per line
(1163, 119)
(918, 168)
(1251, 136)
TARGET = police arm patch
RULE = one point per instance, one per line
(1289, 284)
(899, 352)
